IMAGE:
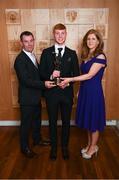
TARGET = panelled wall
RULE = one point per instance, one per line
(103, 15)
(41, 21)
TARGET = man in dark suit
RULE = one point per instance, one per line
(59, 61)
(30, 86)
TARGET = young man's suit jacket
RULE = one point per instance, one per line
(69, 68)
(30, 84)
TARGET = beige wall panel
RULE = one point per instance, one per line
(42, 38)
(35, 16)
(101, 16)
(77, 22)
(73, 38)
(26, 21)
(71, 16)
(103, 28)
(56, 14)
(13, 16)
(87, 16)
(83, 29)
(40, 45)
(13, 32)
(42, 32)
(40, 16)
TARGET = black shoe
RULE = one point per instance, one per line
(42, 143)
(65, 153)
(28, 153)
(53, 154)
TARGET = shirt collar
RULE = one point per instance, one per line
(59, 46)
(28, 53)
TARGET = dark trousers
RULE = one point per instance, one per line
(30, 119)
(54, 103)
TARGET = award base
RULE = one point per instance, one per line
(57, 80)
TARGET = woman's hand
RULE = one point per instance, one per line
(65, 82)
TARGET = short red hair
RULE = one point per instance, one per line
(59, 27)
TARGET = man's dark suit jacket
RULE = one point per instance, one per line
(69, 68)
(30, 84)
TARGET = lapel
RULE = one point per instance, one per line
(52, 51)
(29, 61)
(52, 54)
(66, 56)
(65, 60)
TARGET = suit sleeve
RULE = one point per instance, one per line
(24, 77)
(45, 72)
(75, 65)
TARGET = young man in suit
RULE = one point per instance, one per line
(30, 86)
(59, 61)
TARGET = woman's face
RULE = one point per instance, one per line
(92, 42)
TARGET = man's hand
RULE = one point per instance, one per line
(56, 74)
(49, 84)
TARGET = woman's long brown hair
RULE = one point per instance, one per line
(85, 50)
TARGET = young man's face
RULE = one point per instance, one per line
(60, 36)
(27, 43)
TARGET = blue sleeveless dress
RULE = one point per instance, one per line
(90, 112)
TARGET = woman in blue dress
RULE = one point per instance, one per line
(90, 114)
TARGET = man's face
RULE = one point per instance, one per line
(27, 43)
(60, 36)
